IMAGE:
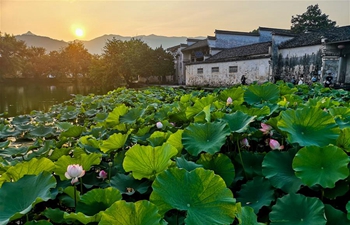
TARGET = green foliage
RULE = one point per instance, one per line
(312, 19)
(193, 169)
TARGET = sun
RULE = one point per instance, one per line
(79, 32)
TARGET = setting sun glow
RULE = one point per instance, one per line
(79, 32)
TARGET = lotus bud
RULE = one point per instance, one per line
(159, 125)
(245, 143)
(229, 101)
(102, 175)
(74, 172)
(275, 145)
(265, 128)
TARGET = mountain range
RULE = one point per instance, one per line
(95, 46)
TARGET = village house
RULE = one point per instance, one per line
(266, 55)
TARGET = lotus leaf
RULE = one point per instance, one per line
(246, 215)
(131, 116)
(97, 200)
(236, 94)
(158, 138)
(296, 209)
(256, 193)
(181, 162)
(252, 162)
(124, 182)
(344, 139)
(203, 116)
(340, 189)
(238, 121)
(32, 167)
(81, 217)
(221, 164)
(18, 198)
(114, 142)
(175, 140)
(148, 161)
(64, 125)
(73, 131)
(130, 213)
(199, 192)
(86, 161)
(277, 167)
(199, 106)
(309, 126)
(22, 119)
(207, 137)
(113, 117)
(335, 216)
(40, 222)
(41, 131)
(257, 94)
(323, 166)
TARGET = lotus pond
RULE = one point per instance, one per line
(258, 154)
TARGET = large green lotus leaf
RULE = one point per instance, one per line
(113, 117)
(86, 161)
(238, 121)
(181, 162)
(256, 94)
(73, 131)
(221, 164)
(158, 138)
(139, 213)
(323, 166)
(114, 142)
(200, 192)
(97, 200)
(256, 193)
(277, 167)
(32, 167)
(175, 140)
(340, 189)
(5, 144)
(148, 161)
(18, 198)
(252, 111)
(131, 116)
(246, 216)
(309, 126)
(334, 216)
(55, 215)
(296, 209)
(344, 139)
(123, 182)
(14, 151)
(207, 137)
(203, 116)
(81, 217)
(64, 125)
(41, 131)
(21, 119)
(236, 94)
(341, 116)
(199, 105)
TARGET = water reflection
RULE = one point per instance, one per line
(17, 99)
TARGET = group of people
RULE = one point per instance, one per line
(328, 81)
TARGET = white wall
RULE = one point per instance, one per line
(300, 51)
(254, 70)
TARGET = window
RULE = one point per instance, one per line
(215, 69)
(199, 70)
(233, 69)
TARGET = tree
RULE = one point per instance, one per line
(36, 63)
(12, 55)
(312, 19)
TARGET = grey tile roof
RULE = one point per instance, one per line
(242, 52)
(236, 33)
(198, 44)
(336, 34)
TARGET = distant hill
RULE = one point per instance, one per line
(95, 46)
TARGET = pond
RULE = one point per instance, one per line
(22, 97)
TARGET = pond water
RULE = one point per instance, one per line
(17, 98)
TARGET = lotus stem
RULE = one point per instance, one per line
(81, 185)
(75, 196)
(240, 156)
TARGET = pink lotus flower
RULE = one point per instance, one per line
(275, 144)
(159, 125)
(245, 143)
(102, 174)
(74, 172)
(229, 101)
(265, 128)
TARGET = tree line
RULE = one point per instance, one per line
(121, 62)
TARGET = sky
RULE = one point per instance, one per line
(62, 19)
